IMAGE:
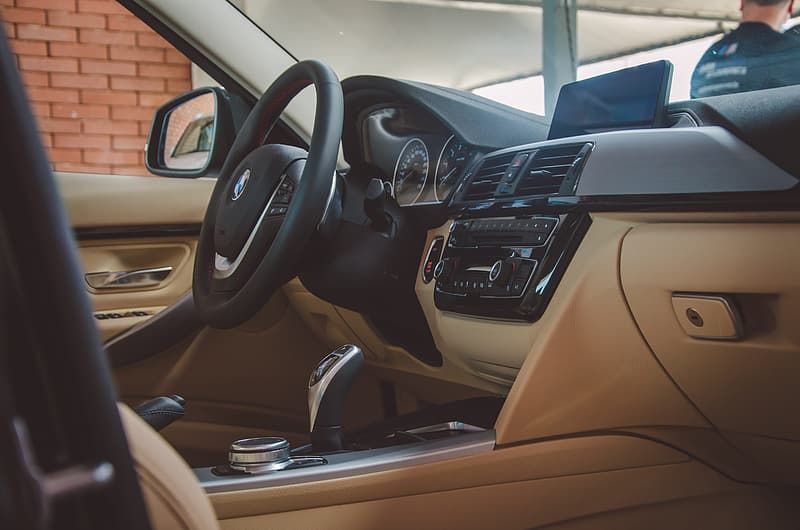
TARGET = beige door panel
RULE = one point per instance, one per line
(119, 306)
(107, 212)
(99, 200)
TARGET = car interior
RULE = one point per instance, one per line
(374, 302)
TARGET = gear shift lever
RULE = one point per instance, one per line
(327, 388)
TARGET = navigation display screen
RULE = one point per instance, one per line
(634, 98)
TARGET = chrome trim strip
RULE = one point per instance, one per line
(349, 465)
(223, 267)
(331, 193)
(135, 279)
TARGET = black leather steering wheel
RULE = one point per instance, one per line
(268, 201)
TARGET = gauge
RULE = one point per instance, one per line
(411, 172)
(452, 161)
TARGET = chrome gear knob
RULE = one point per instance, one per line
(327, 389)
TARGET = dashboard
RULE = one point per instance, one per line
(418, 157)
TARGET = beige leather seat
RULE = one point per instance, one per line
(171, 492)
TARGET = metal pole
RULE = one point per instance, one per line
(559, 48)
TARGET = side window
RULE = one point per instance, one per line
(95, 75)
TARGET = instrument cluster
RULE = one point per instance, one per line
(419, 157)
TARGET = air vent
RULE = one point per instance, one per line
(545, 173)
(485, 181)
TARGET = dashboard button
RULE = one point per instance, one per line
(517, 287)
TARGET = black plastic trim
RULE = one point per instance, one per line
(133, 232)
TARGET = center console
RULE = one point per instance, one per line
(441, 432)
(502, 268)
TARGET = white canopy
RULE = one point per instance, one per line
(471, 43)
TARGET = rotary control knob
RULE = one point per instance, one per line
(259, 455)
(501, 272)
(443, 270)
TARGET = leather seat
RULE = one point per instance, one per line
(171, 492)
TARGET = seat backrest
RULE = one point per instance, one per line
(171, 492)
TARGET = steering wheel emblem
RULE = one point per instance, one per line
(241, 184)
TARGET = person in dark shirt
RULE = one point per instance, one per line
(755, 56)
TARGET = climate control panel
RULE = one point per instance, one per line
(500, 267)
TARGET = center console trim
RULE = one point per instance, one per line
(355, 463)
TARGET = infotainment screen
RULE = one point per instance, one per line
(634, 98)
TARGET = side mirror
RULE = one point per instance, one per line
(191, 135)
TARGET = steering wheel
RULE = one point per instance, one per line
(268, 201)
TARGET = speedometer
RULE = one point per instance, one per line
(411, 172)
(454, 158)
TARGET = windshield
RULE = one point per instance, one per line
(495, 48)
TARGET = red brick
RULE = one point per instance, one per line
(124, 53)
(179, 86)
(33, 79)
(170, 71)
(137, 83)
(79, 80)
(175, 57)
(23, 16)
(140, 170)
(48, 64)
(106, 7)
(9, 3)
(64, 5)
(76, 111)
(36, 32)
(101, 36)
(127, 23)
(47, 139)
(82, 168)
(108, 97)
(91, 66)
(110, 127)
(133, 113)
(52, 94)
(92, 51)
(29, 47)
(144, 128)
(41, 110)
(152, 40)
(128, 143)
(115, 158)
(65, 155)
(75, 20)
(52, 125)
(11, 31)
(153, 100)
(88, 141)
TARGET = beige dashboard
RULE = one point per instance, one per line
(610, 354)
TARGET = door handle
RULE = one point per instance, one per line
(127, 279)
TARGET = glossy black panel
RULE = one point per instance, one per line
(520, 296)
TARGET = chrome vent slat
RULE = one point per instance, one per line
(542, 175)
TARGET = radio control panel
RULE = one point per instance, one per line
(495, 267)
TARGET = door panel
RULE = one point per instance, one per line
(130, 224)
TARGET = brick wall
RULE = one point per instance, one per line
(94, 74)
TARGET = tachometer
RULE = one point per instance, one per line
(411, 172)
(452, 161)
